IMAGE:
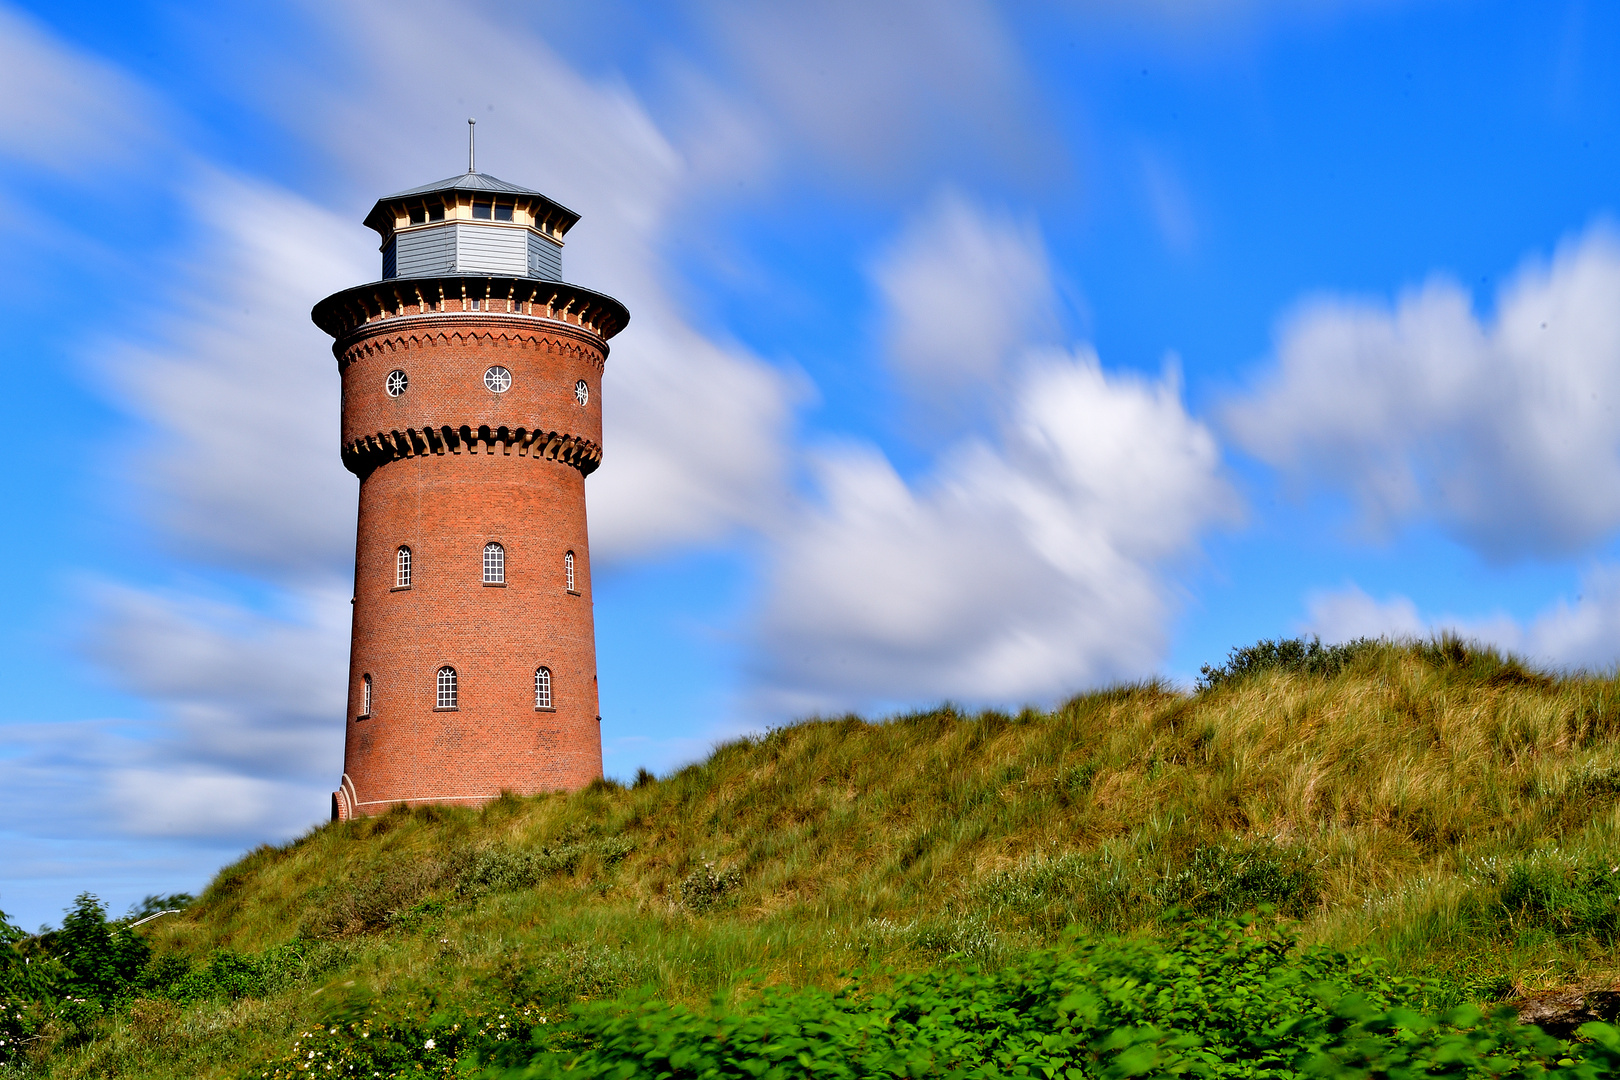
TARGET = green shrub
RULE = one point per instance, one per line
(1217, 1001)
(409, 1039)
(1094, 890)
(704, 889)
(1222, 879)
(1294, 656)
(502, 869)
(1574, 900)
(103, 960)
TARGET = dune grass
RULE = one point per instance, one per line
(1437, 804)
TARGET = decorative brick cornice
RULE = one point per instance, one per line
(404, 333)
(364, 456)
(445, 304)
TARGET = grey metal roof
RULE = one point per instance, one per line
(472, 181)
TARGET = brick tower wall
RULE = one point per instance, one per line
(447, 467)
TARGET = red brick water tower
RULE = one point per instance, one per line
(472, 413)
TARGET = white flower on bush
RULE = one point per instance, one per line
(428, 1045)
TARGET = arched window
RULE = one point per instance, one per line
(542, 688)
(494, 564)
(568, 570)
(447, 687)
(402, 569)
(365, 695)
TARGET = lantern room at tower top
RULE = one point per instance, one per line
(471, 224)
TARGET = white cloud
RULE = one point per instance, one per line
(259, 691)
(63, 109)
(1018, 571)
(1579, 634)
(880, 88)
(1504, 430)
(245, 702)
(239, 390)
(965, 292)
(1202, 24)
(1168, 202)
(1349, 613)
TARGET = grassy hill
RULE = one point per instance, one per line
(1441, 806)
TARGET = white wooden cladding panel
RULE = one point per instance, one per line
(465, 248)
(545, 258)
(490, 249)
(425, 252)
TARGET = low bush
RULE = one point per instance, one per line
(1224, 879)
(1294, 656)
(502, 869)
(1219, 1000)
(705, 888)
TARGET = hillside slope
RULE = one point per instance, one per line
(1441, 806)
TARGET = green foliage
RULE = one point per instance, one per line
(1224, 879)
(410, 1040)
(1293, 656)
(704, 888)
(158, 903)
(103, 960)
(1218, 1000)
(1104, 892)
(503, 869)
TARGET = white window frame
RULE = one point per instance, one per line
(449, 689)
(494, 564)
(568, 570)
(542, 688)
(402, 567)
(365, 695)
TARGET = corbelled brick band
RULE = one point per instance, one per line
(447, 467)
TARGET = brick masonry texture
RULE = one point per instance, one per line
(445, 503)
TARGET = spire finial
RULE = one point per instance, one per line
(472, 162)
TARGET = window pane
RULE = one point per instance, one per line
(568, 570)
(542, 688)
(402, 571)
(494, 564)
(447, 688)
(481, 210)
(418, 215)
(436, 212)
(365, 696)
(503, 213)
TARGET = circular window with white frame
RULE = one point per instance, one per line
(497, 380)
(582, 392)
(396, 383)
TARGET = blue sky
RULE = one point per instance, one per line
(981, 352)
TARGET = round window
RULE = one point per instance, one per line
(396, 383)
(582, 393)
(498, 380)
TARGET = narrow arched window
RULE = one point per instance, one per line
(568, 570)
(365, 695)
(402, 569)
(447, 687)
(494, 564)
(542, 688)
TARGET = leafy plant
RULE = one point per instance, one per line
(1294, 656)
(1219, 1000)
(704, 888)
